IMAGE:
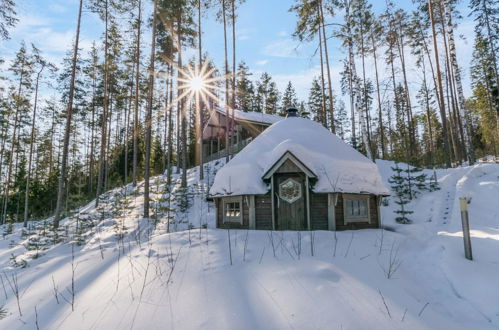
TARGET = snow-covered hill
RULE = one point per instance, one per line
(107, 268)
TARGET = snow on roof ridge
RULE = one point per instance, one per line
(339, 167)
(253, 116)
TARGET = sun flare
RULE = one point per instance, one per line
(196, 83)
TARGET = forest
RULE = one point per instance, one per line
(134, 105)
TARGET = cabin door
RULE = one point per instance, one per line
(290, 201)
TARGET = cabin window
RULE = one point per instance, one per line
(290, 191)
(356, 208)
(233, 210)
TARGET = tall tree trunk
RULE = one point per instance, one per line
(351, 68)
(170, 131)
(366, 122)
(200, 104)
(328, 69)
(428, 115)
(458, 84)
(31, 144)
(462, 152)
(67, 130)
(136, 100)
(182, 112)
(12, 146)
(323, 84)
(440, 88)
(150, 94)
(490, 35)
(92, 133)
(227, 112)
(233, 77)
(102, 156)
(412, 131)
(380, 114)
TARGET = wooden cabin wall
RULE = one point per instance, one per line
(318, 211)
(263, 212)
(373, 212)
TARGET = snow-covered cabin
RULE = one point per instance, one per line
(297, 175)
(243, 126)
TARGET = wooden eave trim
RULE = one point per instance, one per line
(289, 155)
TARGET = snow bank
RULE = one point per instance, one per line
(338, 167)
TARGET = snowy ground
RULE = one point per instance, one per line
(129, 273)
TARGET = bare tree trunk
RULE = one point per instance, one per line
(170, 131)
(461, 150)
(351, 67)
(102, 156)
(428, 115)
(182, 112)
(328, 69)
(380, 114)
(199, 103)
(12, 147)
(67, 131)
(412, 132)
(136, 100)
(227, 112)
(150, 94)
(440, 88)
(31, 144)
(366, 122)
(459, 86)
(323, 84)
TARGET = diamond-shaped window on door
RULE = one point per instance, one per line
(290, 191)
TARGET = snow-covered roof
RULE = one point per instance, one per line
(338, 167)
(253, 116)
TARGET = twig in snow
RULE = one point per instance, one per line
(349, 245)
(394, 261)
(261, 256)
(335, 243)
(312, 243)
(403, 316)
(245, 245)
(384, 302)
(422, 309)
(14, 286)
(36, 319)
(3, 285)
(272, 242)
(230, 247)
(56, 290)
(381, 241)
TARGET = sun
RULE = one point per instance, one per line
(196, 83)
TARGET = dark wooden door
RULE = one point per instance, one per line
(290, 201)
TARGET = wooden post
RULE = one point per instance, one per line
(466, 228)
(252, 218)
(307, 195)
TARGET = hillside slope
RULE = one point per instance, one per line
(107, 268)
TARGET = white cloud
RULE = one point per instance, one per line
(283, 48)
(262, 62)
(243, 34)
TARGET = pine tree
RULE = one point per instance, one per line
(399, 186)
(8, 17)
(315, 101)
(289, 98)
(244, 89)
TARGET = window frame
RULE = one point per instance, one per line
(229, 200)
(355, 219)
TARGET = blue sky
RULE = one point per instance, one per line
(264, 39)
